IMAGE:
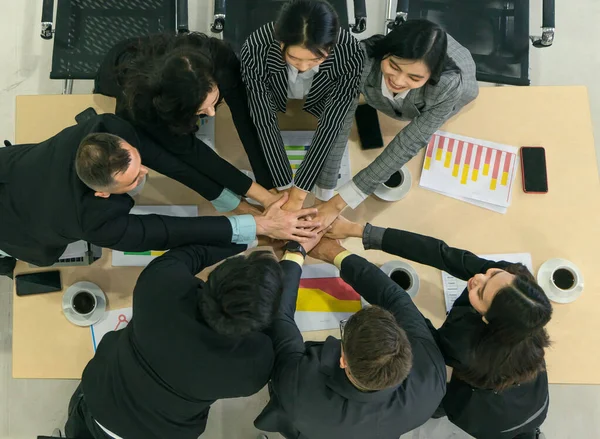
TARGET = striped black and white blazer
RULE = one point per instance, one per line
(332, 97)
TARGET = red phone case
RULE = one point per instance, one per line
(523, 171)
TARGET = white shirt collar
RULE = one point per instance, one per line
(293, 73)
(388, 94)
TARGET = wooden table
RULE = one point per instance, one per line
(564, 223)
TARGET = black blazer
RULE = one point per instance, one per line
(110, 81)
(156, 378)
(482, 413)
(44, 206)
(334, 90)
(311, 397)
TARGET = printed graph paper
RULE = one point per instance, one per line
(473, 170)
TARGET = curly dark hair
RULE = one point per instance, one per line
(170, 77)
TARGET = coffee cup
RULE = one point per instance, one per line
(564, 278)
(84, 303)
(395, 180)
(403, 278)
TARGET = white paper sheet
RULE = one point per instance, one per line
(472, 170)
(114, 320)
(76, 249)
(453, 287)
(141, 259)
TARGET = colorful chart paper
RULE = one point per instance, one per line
(114, 320)
(324, 298)
(473, 170)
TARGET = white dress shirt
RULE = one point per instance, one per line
(396, 99)
(299, 83)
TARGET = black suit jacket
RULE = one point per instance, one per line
(482, 413)
(44, 205)
(156, 378)
(311, 397)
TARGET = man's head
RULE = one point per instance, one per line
(109, 165)
(242, 294)
(376, 353)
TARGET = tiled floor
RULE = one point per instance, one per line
(31, 407)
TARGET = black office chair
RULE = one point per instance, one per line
(495, 31)
(237, 19)
(87, 29)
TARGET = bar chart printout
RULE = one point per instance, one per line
(472, 170)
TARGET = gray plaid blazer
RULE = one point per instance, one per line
(428, 108)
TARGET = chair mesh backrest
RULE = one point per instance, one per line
(245, 16)
(496, 32)
(87, 29)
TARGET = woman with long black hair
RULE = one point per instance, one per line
(493, 337)
(303, 55)
(164, 85)
(418, 73)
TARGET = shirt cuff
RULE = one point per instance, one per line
(373, 237)
(322, 193)
(287, 186)
(227, 201)
(243, 229)
(340, 258)
(294, 257)
(352, 195)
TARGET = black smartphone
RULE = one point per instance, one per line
(86, 115)
(38, 283)
(367, 124)
(533, 168)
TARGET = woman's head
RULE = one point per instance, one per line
(412, 54)
(307, 31)
(173, 84)
(509, 348)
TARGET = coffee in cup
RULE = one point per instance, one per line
(395, 180)
(83, 302)
(564, 278)
(403, 278)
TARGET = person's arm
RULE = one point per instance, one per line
(427, 250)
(106, 223)
(407, 143)
(262, 110)
(237, 100)
(341, 101)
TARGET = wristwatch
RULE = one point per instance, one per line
(296, 247)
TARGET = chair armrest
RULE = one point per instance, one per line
(401, 14)
(47, 19)
(182, 16)
(219, 16)
(548, 23)
(360, 17)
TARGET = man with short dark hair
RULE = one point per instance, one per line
(385, 377)
(45, 204)
(188, 344)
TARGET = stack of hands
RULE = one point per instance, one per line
(317, 228)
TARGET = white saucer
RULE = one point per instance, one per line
(76, 318)
(554, 293)
(395, 194)
(388, 267)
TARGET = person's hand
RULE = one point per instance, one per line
(311, 243)
(290, 226)
(295, 200)
(342, 229)
(246, 208)
(326, 250)
(328, 213)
